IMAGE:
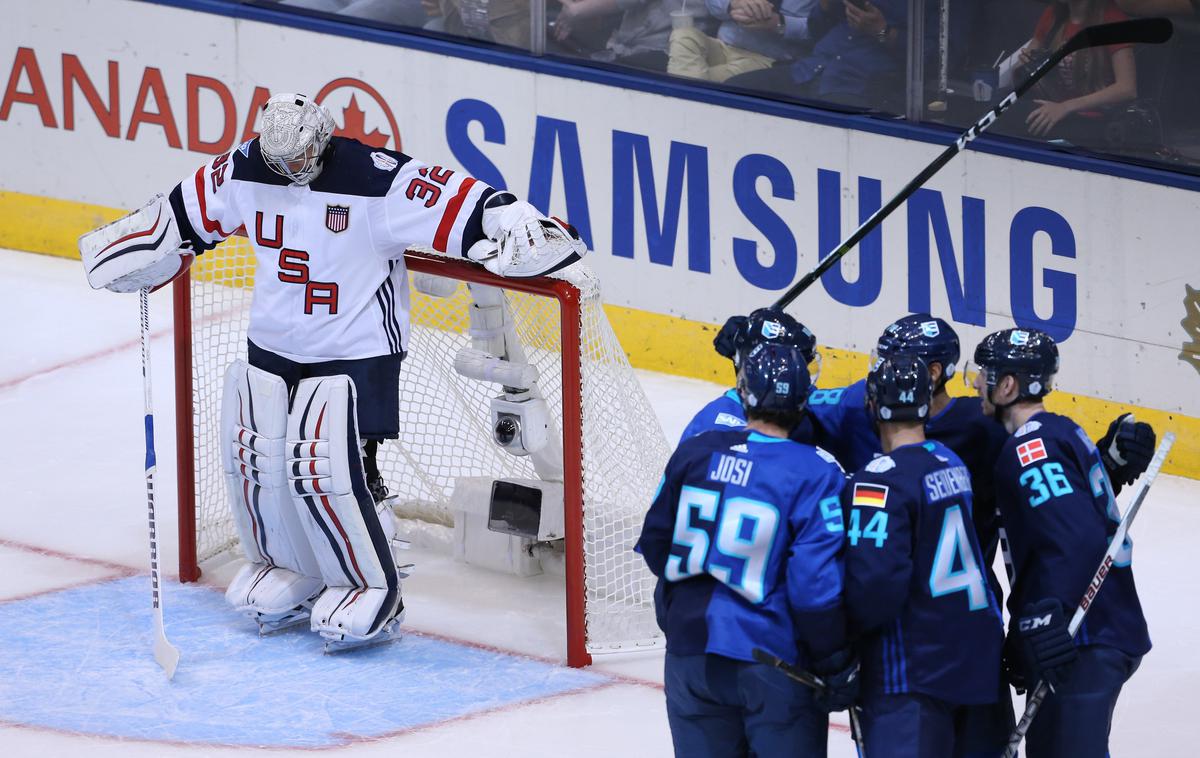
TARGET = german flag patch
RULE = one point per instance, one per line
(870, 495)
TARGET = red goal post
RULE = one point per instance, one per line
(613, 447)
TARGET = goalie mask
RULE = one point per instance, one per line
(295, 133)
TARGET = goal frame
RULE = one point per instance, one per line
(568, 297)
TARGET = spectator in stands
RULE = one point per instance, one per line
(503, 21)
(1160, 7)
(641, 36)
(399, 12)
(858, 59)
(753, 35)
(1070, 101)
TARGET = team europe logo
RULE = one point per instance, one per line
(337, 218)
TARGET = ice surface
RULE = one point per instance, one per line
(479, 673)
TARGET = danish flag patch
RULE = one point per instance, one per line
(1033, 450)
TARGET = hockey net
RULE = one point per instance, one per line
(614, 449)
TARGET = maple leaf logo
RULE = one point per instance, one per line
(1191, 322)
(354, 126)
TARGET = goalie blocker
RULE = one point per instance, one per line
(318, 546)
(139, 250)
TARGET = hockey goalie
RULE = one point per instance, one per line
(329, 219)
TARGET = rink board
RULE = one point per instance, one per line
(85, 667)
(697, 205)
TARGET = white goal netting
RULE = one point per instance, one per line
(445, 429)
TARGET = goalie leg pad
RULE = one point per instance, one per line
(350, 540)
(283, 573)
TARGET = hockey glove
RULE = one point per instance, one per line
(1126, 449)
(1047, 652)
(521, 243)
(840, 674)
(725, 343)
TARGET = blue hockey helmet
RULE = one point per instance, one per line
(898, 387)
(773, 378)
(1028, 355)
(923, 335)
(774, 325)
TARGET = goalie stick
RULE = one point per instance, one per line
(166, 654)
(816, 683)
(1144, 30)
(1034, 702)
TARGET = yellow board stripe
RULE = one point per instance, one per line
(654, 341)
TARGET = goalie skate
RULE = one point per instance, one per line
(389, 632)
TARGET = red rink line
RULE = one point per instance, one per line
(51, 553)
(7, 384)
(120, 571)
(347, 740)
(72, 362)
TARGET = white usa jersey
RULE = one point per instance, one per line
(331, 282)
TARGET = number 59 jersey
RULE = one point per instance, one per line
(745, 535)
(1056, 503)
(330, 281)
(916, 590)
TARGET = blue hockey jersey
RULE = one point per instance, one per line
(845, 426)
(745, 535)
(726, 412)
(915, 583)
(1056, 502)
(845, 429)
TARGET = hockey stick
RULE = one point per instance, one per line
(816, 683)
(165, 653)
(1034, 702)
(1143, 30)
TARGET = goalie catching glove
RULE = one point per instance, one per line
(521, 242)
(139, 250)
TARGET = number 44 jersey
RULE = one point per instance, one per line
(916, 592)
(330, 281)
(745, 535)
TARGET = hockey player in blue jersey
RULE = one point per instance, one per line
(1058, 508)
(745, 535)
(846, 430)
(929, 627)
(737, 338)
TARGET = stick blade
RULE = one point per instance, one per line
(166, 654)
(1148, 31)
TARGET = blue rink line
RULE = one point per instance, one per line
(79, 660)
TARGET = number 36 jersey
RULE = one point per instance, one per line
(330, 281)
(1055, 501)
(916, 590)
(745, 535)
